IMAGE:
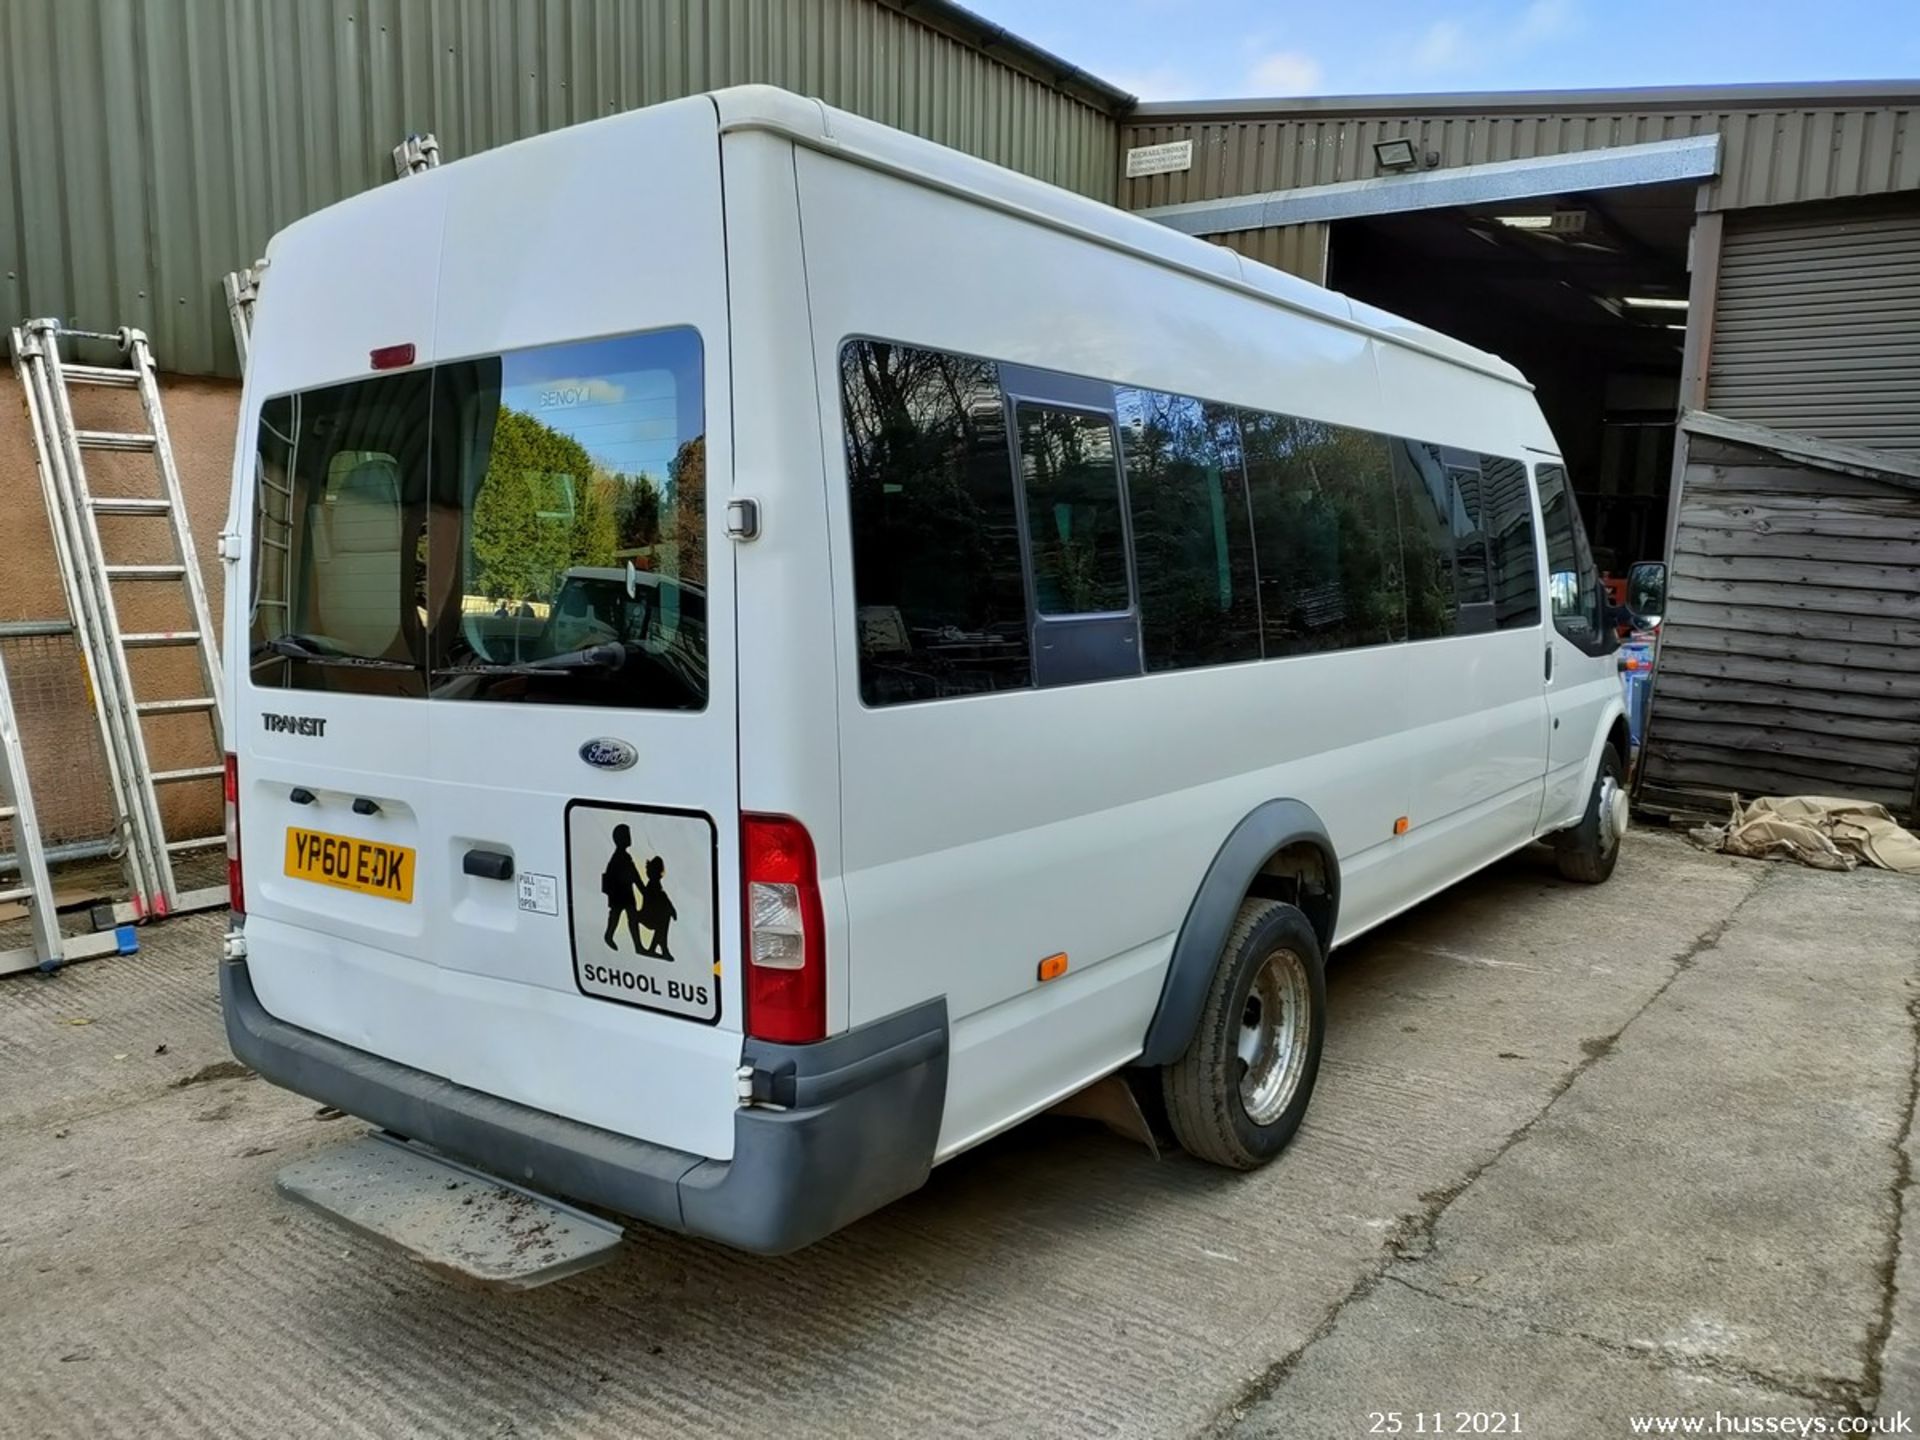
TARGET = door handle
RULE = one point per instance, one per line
(488, 864)
(1549, 663)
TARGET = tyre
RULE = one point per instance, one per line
(1588, 851)
(1237, 1095)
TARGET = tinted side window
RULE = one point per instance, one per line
(1449, 588)
(1573, 584)
(942, 607)
(1072, 477)
(1508, 523)
(1192, 542)
(1324, 533)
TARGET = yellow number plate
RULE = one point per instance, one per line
(369, 866)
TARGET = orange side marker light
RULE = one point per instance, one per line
(1400, 826)
(1054, 966)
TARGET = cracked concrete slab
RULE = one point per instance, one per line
(1712, 1200)
(1055, 1282)
(1400, 1350)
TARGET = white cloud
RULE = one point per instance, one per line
(1475, 40)
(1161, 82)
(1285, 72)
(1442, 46)
(1542, 21)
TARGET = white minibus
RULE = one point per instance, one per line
(765, 651)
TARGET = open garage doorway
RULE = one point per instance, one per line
(1586, 294)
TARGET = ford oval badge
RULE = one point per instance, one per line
(607, 753)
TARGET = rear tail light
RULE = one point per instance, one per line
(786, 950)
(236, 892)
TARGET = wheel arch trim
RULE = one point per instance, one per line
(1260, 835)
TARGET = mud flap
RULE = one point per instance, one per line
(451, 1218)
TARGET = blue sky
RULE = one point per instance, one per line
(1182, 49)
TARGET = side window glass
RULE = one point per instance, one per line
(1573, 585)
(1325, 535)
(1508, 524)
(1442, 530)
(940, 600)
(1071, 476)
(1192, 542)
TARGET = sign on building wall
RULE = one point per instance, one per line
(1159, 159)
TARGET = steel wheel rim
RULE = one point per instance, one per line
(1272, 1046)
(1613, 812)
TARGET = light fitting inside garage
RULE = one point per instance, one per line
(1554, 222)
(1653, 302)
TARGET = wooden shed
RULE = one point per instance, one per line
(1789, 661)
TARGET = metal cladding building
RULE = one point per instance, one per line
(1715, 291)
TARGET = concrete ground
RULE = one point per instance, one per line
(1577, 1155)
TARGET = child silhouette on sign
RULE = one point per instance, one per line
(656, 910)
(618, 882)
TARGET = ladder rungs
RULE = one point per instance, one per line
(150, 639)
(7, 812)
(174, 707)
(23, 893)
(112, 440)
(193, 772)
(199, 842)
(100, 375)
(144, 572)
(128, 505)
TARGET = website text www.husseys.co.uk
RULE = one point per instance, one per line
(1721, 1423)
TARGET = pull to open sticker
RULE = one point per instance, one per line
(641, 892)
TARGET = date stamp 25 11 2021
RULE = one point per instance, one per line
(1443, 1422)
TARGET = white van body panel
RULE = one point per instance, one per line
(462, 982)
(970, 855)
(958, 842)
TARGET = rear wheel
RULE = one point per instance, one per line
(1238, 1094)
(1588, 851)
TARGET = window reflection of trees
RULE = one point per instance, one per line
(1073, 511)
(937, 580)
(1326, 534)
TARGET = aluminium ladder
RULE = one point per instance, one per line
(91, 580)
(34, 884)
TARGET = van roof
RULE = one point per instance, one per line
(819, 126)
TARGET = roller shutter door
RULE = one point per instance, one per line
(1817, 325)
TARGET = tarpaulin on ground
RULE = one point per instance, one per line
(1818, 830)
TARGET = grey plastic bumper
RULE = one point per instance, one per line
(864, 1115)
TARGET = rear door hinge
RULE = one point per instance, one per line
(228, 546)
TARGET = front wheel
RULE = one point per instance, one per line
(1238, 1094)
(1588, 851)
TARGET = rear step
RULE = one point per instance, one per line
(451, 1218)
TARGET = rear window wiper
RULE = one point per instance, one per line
(318, 652)
(610, 655)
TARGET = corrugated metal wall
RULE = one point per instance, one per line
(153, 145)
(1297, 249)
(1817, 323)
(1771, 157)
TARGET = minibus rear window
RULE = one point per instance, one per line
(525, 527)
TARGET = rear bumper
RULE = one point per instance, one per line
(862, 1118)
